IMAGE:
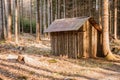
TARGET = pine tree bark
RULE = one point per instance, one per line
(41, 17)
(9, 21)
(56, 11)
(73, 6)
(2, 16)
(37, 21)
(48, 9)
(5, 20)
(44, 18)
(16, 21)
(30, 16)
(19, 17)
(76, 8)
(59, 9)
(105, 35)
(13, 16)
(64, 12)
(51, 10)
(22, 15)
(115, 19)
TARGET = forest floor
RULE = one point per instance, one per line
(40, 65)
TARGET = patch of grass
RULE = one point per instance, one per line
(3, 41)
(109, 64)
(52, 61)
(22, 78)
(26, 25)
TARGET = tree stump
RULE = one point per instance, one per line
(20, 58)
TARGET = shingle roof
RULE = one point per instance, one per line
(68, 24)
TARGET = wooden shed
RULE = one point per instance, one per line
(74, 37)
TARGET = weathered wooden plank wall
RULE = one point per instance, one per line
(75, 44)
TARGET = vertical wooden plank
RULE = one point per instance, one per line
(63, 39)
(52, 44)
(67, 44)
(84, 42)
(59, 45)
(55, 43)
(73, 41)
(88, 39)
(65, 47)
(76, 48)
(58, 42)
(59, 52)
(78, 44)
(70, 50)
(90, 34)
(51, 41)
(95, 43)
(62, 43)
(73, 45)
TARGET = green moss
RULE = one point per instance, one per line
(2, 41)
(52, 61)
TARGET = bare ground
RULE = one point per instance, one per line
(40, 65)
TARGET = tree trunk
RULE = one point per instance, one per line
(30, 16)
(41, 17)
(105, 35)
(5, 21)
(115, 19)
(56, 14)
(16, 21)
(19, 17)
(44, 18)
(51, 4)
(9, 21)
(2, 16)
(13, 16)
(59, 9)
(37, 21)
(48, 9)
(64, 12)
(76, 8)
(22, 15)
(73, 6)
(89, 7)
